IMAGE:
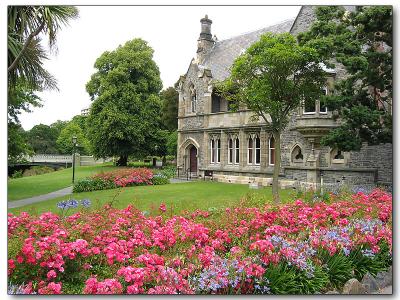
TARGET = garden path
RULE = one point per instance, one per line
(59, 193)
(40, 198)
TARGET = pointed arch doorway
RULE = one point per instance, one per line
(192, 159)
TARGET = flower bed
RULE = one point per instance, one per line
(114, 179)
(297, 248)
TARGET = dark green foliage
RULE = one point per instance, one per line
(169, 111)
(17, 143)
(288, 280)
(42, 138)
(338, 267)
(363, 264)
(172, 143)
(362, 42)
(125, 114)
(92, 184)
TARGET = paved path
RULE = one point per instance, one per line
(40, 198)
(60, 193)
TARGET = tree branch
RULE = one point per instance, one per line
(27, 42)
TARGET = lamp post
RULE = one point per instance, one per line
(74, 139)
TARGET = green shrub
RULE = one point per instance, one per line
(92, 184)
(37, 170)
(159, 179)
(17, 174)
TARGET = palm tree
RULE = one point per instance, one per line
(25, 53)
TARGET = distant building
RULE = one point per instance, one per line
(236, 149)
(85, 112)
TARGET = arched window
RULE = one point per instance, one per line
(215, 147)
(250, 151)
(258, 150)
(297, 155)
(237, 150)
(230, 151)
(193, 99)
(271, 149)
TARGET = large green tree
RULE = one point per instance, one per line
(169, 112)
(124, 117)
(42, 138)
(362, 42)
(271, 78)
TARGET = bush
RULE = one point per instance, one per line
(17, 174)
(92, 184)
(338, 266)
(37, 170)
(118, 178)
(159, 179)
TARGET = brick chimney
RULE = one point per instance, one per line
(205, 41)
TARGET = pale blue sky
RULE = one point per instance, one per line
(172, 32)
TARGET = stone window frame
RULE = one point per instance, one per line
(215, 148)
(237, 151)
(230, 151)
(340, 161)
(269, 150)
(317, 105)
(234, 146)
(254, 149)
(193, 98)
(293, 160)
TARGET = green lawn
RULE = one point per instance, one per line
(180, 196)
(26, 187)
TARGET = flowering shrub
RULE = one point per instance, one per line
(296, 248)
(114, 179)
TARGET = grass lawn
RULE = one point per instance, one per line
(181, 196)
(30, 186)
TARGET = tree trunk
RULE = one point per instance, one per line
(164, 161)
(122, 161)
(277, 166)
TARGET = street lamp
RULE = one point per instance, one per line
(74, 140)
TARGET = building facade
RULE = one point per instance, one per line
(239, 149)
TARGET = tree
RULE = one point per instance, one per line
(42, 139)
(25, 54)
(271, 78)
(169, 112)
(64, 141)
(125, 114)
(26, 75)
(17, 143)
(172, 143)
(58, 126)
(362, 42)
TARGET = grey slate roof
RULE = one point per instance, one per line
(221, 56)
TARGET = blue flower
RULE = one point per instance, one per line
(72, 203)
(62, 204)
(85, 202)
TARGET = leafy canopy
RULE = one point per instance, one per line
(272, 78)
(125, 114)
(361, 41)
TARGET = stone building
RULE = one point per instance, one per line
(238, 149)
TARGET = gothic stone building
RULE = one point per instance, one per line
(238, 149)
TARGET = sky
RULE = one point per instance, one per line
(172, 32)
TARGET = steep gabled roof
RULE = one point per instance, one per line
(221, 56)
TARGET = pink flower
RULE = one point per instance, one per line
(51, 274)
(162, 207)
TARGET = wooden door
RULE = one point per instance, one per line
(193, 159)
